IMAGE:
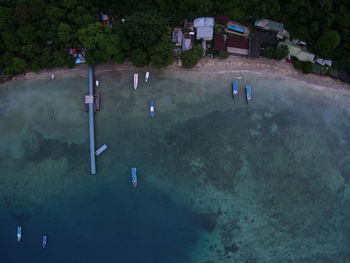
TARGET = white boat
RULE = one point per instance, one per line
(19, 233)
(97, 83)
(136, 80)
(101, 149)
(147, 76)
(44, 241)
(52, 76)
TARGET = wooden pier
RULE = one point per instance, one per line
(89, 100)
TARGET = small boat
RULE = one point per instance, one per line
(234, 89)
(147, 76)
(97, 83)
(44, 241)
(136, 80)
(151, 108)
(19, 233)
(134, 176)
(52, 76)
(248, 90)
(101, 149)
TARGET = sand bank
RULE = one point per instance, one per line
(267, 67)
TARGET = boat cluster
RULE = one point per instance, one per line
(151, 103)
(248, 91)
(19, 237)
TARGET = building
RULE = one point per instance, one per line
(79, 55)
(298, 52)
(261, 39)
(273, 26)
(219, 42)
(204, 27)
(237, 45)
(177, 37)
(187, 41)
(222, 19)
(104, 19)
(324, 62)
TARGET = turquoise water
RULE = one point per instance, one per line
(219, 180)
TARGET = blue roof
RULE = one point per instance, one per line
(236, 28)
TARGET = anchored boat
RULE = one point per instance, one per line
(248, 91)
(136, 80)
(134, 176)
(101, 149)
(19, 233)
(147, 76)
(234, 89)
(44, 241)
(151, 108)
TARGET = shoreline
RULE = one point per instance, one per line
(235, 64)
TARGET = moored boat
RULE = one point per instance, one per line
(234, 89)
(134, 176)
(151, 108)
(44, 241)
(136, 80)
(147, 76)
(248, 90)
(19, 233)
(101, 149)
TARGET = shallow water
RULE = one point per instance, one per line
(219, 180)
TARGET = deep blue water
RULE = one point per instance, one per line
(108, 224)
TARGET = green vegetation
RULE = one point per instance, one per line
(222, 54)
(191, 57)
(279, 53)
(305, 67)
(34, 34)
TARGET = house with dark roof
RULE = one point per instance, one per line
(273, 26)
(261, 39)
(219, 42)
(237, 45)
(222, 19)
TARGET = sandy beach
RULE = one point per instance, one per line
(270, 68)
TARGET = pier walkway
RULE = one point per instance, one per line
(91, 121)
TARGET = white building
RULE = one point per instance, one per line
(204, 27)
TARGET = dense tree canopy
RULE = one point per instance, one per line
(35, 33)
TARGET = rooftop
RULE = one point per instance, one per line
(269, 25)
(222, 19)
(203, 22)
(219, 42)
(261, 39)
(237, 42)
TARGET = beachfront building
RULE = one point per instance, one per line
(237, 45)
(298, 51)
(222, 19)
(187, 41)
(219, 42)
(177, 36)
(273, 26)
(204, 27)
(324, 62)
(79, 55)
(261, 39)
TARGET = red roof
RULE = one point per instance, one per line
(188, 24)
(219, 42)
(223, 19)
(237, 42)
